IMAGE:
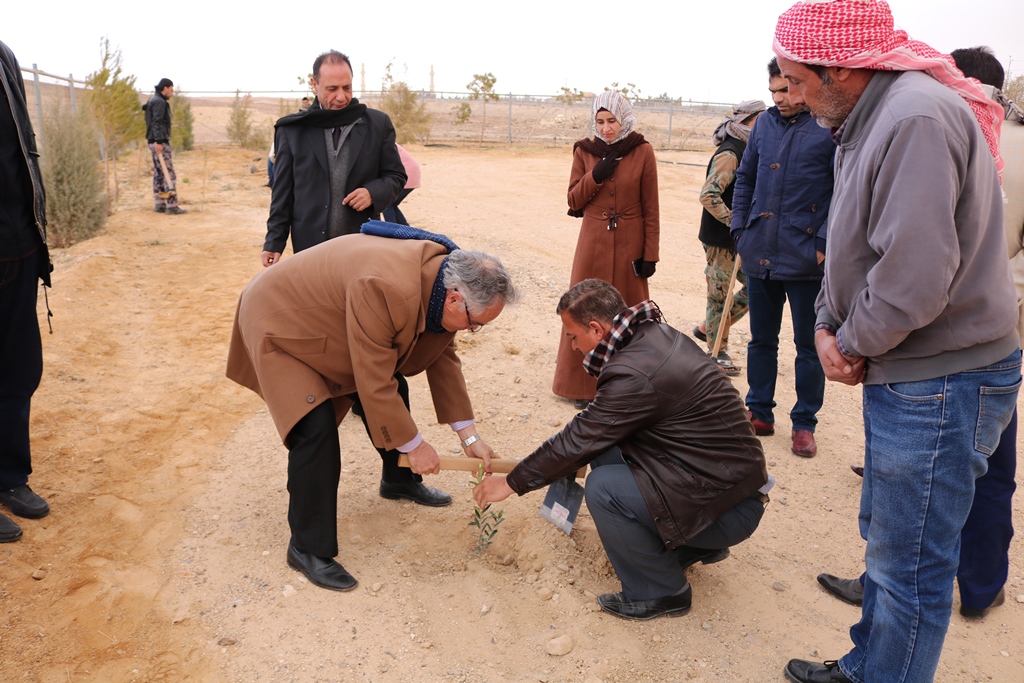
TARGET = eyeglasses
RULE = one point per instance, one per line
(473, 327)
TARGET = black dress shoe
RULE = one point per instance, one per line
(9, 531)
(802, 671)
(969, 613)
(642, 610)
(688, 556)
(858, 470)
(850, 591)
(417, 492)
(22, 501)
(321, 571)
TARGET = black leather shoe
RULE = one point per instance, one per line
(417, 492)
(969, 613)
(23, 502)
(802, 671)
(321, 571)
(642, 610)
(849, 591)
(688, 556)
(9, 531)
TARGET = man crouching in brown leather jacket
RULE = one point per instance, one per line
(677, 475)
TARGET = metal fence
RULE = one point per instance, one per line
(512, 120)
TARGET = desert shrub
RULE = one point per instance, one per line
(407, 112)
(182, 122)
(76, 207)
(1014, 88)
(240, 125)
(461, 112)
(114, 104)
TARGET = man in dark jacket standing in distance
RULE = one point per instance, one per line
(336, 167)
(677, 476)
(716, 198)
(24, 260)
(158, 135)
(779, 220)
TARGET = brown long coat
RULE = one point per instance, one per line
(341, 318)
(631, 193)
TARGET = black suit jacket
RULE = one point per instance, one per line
(301, 197)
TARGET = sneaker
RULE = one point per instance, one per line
(176, 210)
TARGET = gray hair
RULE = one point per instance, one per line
(480, 278)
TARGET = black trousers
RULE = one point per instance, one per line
(314, 471)
(21, 365)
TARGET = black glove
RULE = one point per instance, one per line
(604, 169)
(644, 269)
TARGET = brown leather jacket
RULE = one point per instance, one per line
(681, 426)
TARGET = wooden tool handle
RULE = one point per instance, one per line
(463, 464)
(502, 466)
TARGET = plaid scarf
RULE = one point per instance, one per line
(860, 34)
(623, 327)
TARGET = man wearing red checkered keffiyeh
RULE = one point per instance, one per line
(917, 305)
(860, 34)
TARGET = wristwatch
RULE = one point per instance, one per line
(470, 440)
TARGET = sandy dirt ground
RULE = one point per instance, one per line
(164, 556)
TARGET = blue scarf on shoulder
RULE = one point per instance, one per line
(403, 232)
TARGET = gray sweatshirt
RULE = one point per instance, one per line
(916, 276)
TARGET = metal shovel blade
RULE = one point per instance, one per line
(562, 503)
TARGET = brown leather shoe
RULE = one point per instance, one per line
(803, 443)
(969, 613)
(858, 470)
(761, 428)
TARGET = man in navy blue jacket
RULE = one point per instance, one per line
(779, 221)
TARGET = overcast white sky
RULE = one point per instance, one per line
(713, 51)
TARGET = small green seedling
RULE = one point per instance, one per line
(485, 520)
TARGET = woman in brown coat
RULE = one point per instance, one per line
(614, 188)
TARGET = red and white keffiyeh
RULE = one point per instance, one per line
(860, 34)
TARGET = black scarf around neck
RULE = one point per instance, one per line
(600, 149)
(318, 117)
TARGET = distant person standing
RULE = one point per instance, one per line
(716, 197)
(779, 222)
(392, 213)
(24, 260)
(158, 135)
(613, 187)
(304, 104)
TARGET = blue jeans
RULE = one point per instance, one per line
(925, 445)
(767, 298)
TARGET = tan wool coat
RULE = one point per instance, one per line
(342, 318)
(631, 193)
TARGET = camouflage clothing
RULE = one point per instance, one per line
(159, 183)
(718, 273)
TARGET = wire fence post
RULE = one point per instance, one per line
(671, 106)
(510, 118)
(39, 104)
(71, 88)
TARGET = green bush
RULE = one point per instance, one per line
(240, 125)
(76, 207)
(182, 121)
(407, 112)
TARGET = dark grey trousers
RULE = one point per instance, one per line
(646, 568)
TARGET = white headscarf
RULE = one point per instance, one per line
(620, 108)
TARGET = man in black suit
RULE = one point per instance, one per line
(337, 165)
